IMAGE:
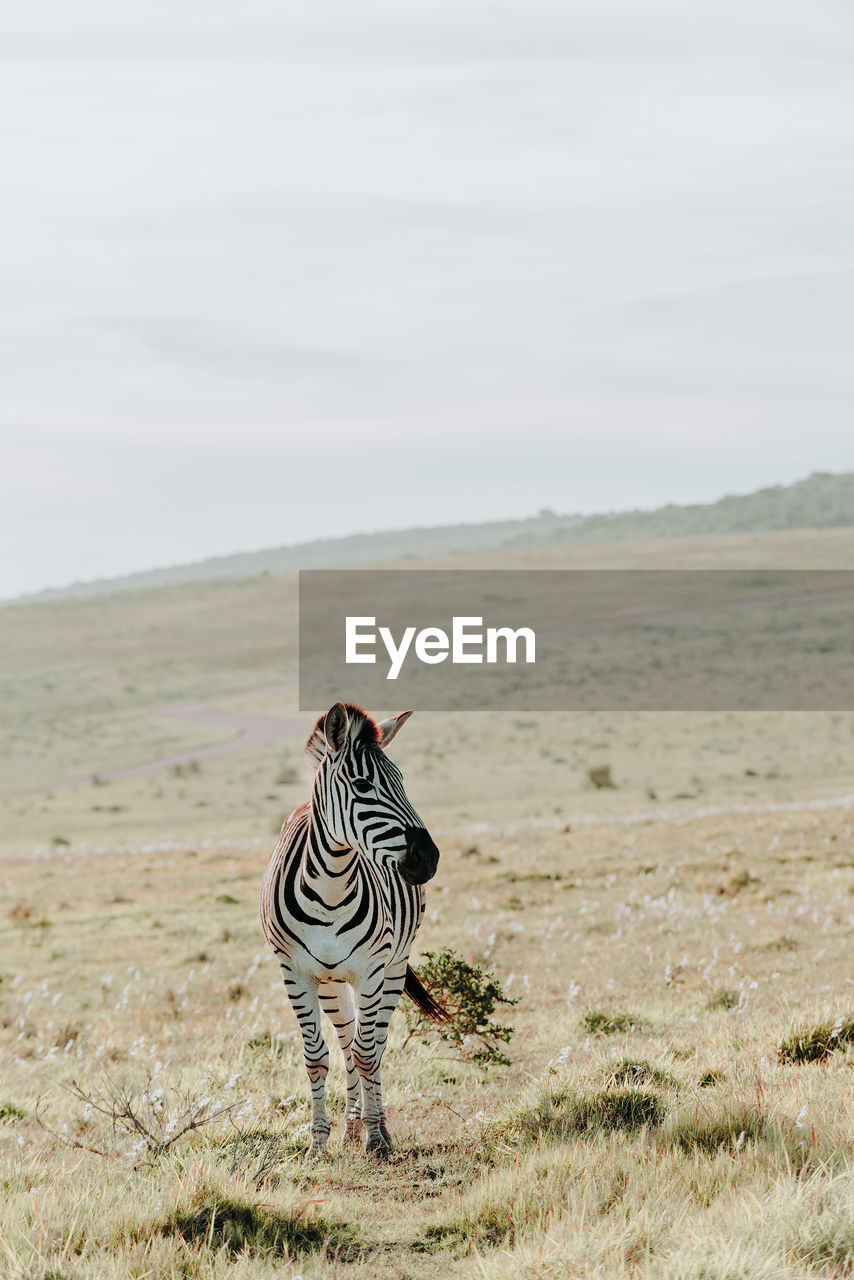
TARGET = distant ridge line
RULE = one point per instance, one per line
(824, 500)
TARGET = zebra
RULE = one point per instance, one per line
(341, 901)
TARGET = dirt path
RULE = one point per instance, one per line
(247, 731)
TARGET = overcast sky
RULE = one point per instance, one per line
(270, 272)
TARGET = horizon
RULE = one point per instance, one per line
(25, 596)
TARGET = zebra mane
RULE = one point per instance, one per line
(364, 732)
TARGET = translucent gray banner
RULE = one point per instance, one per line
(566, 639)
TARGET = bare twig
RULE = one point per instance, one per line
(64, 1138)
(158, 1117)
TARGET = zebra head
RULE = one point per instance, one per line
(358, 791)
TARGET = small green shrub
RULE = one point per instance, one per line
(469, 996)
(228, 899)
(600, 778)
(9, 1111)
(598, 1023)
(816, 1044)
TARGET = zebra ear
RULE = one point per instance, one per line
(388, 728)
(336, 722)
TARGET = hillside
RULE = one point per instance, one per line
(822, 501)
(327, 553)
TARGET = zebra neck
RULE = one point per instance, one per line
(328, 869)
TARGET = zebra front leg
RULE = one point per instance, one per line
(337, 1003)
(367, 1055)
(303, 996)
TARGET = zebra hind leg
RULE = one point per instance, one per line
(367, 1055)
(395, 976)
(337, 1003)
(303, 996)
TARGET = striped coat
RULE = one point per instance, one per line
(341, 901)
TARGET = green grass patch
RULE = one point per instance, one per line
(493, 1226)
(726, 1131)
(726, 999)
(236, 1224)
(638, 1071)
(816, 1044)
(710, 1078)
(786, 943)
(599, 1023)
(264, 1041)
(560, 1112)
(9, 1111)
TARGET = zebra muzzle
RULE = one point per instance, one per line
(419, 863)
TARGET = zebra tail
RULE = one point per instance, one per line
(415, 989)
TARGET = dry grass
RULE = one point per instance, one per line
(624, 1146)
(680, 1104)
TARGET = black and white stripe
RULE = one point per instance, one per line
(341, 901)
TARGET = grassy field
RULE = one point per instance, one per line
(646, 1127)
(680, 1100)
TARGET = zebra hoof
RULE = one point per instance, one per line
(378, 1148)
(317, 1150)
